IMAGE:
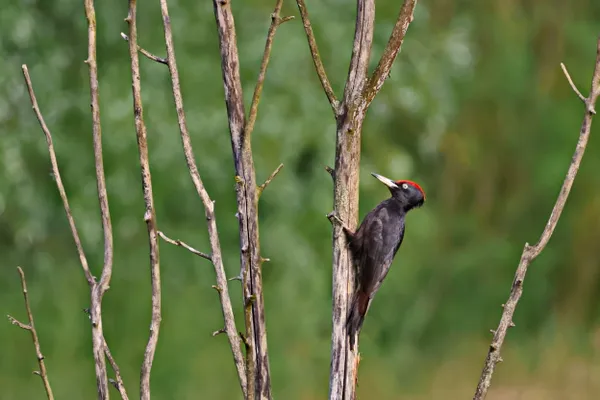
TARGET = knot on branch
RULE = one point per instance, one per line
(218, 332)
(331, 171)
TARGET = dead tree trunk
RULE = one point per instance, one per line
(359, 92)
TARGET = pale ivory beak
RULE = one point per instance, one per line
(386, 181)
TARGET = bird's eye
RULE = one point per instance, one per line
(404, 186)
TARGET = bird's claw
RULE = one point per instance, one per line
(332, 216)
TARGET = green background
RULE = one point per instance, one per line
(476, 110)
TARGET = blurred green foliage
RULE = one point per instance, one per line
(476, 109)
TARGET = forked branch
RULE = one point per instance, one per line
(209, 205)
(531, 252)
(149, 213)
(43, 373)
(255, 338)
(98, 289)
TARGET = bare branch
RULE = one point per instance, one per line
(314, 51)
(262, 187)
(257, 360)
(215, 246)
(275, 22)
(118, 382)
(361, 52)
(531, 252)
(98, 290)
(98, 159)
(146, 53)
(57, 178)
(179, 243)
(577, 92)
(18, 323)
(391, 50)
(43, 373)
(150, 213)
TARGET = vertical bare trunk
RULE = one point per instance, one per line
(359, 92)
(344, 361)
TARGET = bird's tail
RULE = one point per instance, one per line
(356, 316)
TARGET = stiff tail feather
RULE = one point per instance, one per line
(356, 316)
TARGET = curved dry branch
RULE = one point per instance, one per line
(531, 252)
(149, 213)
(276, 20)
(215, 245)
(314, 51)
(43, 373)
(57, 178)
(392, 49)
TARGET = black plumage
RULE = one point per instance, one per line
(375, 243)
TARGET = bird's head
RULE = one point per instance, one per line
(408, 193)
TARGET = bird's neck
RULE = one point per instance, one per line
(401, 206)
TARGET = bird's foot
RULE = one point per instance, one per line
(333, 217)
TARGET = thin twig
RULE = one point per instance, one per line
(209, 205)
(275, 22)
(577, 92)
(189, 248)
(262, 187)
(57, 178)
(392, 48)
(43, 373)
(531, 252)
(118, 382)
(314, 51)
(218, 332)
(146, 53)
(150, 213)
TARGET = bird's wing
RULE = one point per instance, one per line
(371, 255)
